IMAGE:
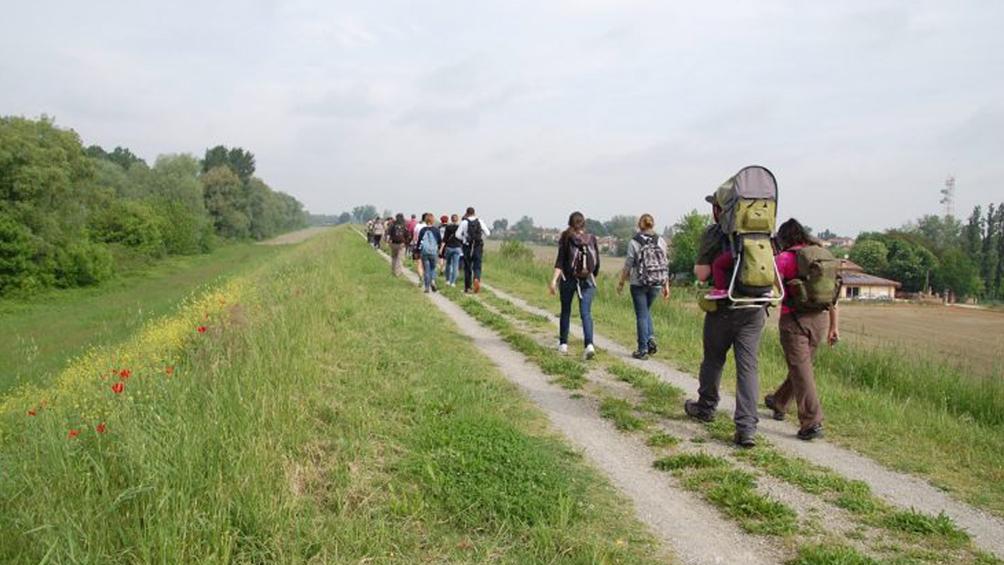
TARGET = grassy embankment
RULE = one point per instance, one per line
(315, 418)
(42, 333)
(904, 408)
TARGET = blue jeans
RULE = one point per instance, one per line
(569, 289)
(429, 269)
(452, 257)
(643, 297)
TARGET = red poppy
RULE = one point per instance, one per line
(118, 387)
(73, 434)
(100, 428)
(125, 374)
(31, 412)
(169, 371)
(201, 329)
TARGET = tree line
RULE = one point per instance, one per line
(71, 216)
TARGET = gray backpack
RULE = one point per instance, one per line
(651, 265)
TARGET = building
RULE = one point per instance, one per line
(844, 242)
(859, 285)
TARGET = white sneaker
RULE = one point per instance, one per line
(563, 348)
(590, 352)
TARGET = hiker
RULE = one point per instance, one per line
(444, 221)
(735, 324)
(647, 268)
(416, 252)
(472, 234)
(429, 245)
(808, 316)
(576, 267)
(399, 237)
(378, 230)
(369, 232)
(452, 250)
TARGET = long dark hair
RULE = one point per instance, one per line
(792, 233)
(576, 223)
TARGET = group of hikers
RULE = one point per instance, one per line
(750, 267)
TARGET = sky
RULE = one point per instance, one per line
(860, 108)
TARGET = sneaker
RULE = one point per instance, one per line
(640, 355)
(778, 414)
(563, 348)
(426, 291)
(717, 294)
(694, 410)
(434, 287)
(590, 352)
(811, 433)
(477, 286)
(652, 347)
(745, 439)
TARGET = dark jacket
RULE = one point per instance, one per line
(450, 235)
(565, 254)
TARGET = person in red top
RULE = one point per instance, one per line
(801, 334)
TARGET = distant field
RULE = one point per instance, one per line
(969, 337)
(547, 253)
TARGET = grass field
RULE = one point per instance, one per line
(910, 410)
(41, 334)
(312, 417)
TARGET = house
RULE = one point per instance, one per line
(845, 242)
(857, 284)
(607, 244)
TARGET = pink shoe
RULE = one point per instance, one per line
(717, 294)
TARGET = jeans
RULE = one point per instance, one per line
(472, 264)
(429, 270)
(452, 257)
(642, 297)
(740, 331)
(569, 289)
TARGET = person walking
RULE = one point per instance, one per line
(378, 231)
(647, 268)
(452, 250)
(399, 237)
(575, 271)
(727, 327)
(429, 245)
(472, 233)
(805, 322)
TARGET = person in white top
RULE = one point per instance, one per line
(472, 234)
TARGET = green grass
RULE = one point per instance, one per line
(662, 439)
(734, 492)
(830, 554)
(300, 430)
(913, 522)
(699, 460)
(621, 413)
(658, 397)
(44, 332)
(908, 410)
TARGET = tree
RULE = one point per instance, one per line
(363, 214)
(827, 234)
(238, 160)
(871, 254)
(345, 218)
(524, 229)
(685, 239)
(938, 232)
(225, 203)
(500, 226)
(595, 227)
(958, 273)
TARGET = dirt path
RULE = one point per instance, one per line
(295, 236)
(897, 488)
(696, 532)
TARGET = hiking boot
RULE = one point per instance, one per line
(477, 286)
(811, 433)
(652, 347)
(640, 355)
(590, 352)
(778, 414)
(694, 410)
(563, 348)
(744, 438)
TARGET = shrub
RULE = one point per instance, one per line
(517, 251)
(82, 263)
(132, 223)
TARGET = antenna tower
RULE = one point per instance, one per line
(948, 196)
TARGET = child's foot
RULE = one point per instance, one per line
(717, 294)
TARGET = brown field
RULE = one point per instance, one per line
(967, 336)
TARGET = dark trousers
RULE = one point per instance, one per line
(569, 289)
(643, 297)
(799, 339)
(739, 330)
(472, 264)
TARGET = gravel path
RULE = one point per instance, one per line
(897, 488)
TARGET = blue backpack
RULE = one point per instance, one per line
(428, 243)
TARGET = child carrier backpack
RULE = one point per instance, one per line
(651, 265)
(818, 284)
(475, 235)
(748, 218)
(583, 256)
(427, 242)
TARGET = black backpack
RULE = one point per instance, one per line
(398, 233)
(583, 256)
(475, 235)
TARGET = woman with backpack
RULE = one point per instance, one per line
(452, 250)
(808, 316)
(647, 268)
(429, 245)
(575, 271)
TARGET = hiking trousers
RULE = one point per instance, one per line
(642, 297)
(472, 264)
(739, 330)
(397, 258)
(800, 337)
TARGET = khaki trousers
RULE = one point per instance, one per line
(397, 258)
(799, 339)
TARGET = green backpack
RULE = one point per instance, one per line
(817, 287)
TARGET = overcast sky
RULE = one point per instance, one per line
(861, 109)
